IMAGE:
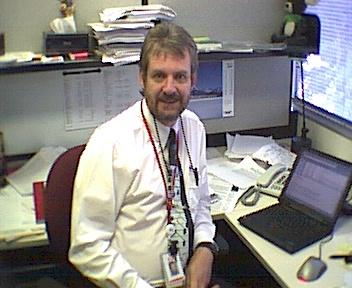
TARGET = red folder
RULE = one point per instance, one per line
(38, 191)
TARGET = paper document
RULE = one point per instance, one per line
(275, 154)
(223, 196)
(93, 98)
(228, 88)
(242, 175)
(151, 12)
(119, 59)
(101, 27)
(16, 212)
(239, 146)
(215, 152)
(35, 170)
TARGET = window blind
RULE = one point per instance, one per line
(328, 76)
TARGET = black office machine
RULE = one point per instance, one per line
(300, 31)
(65, 43)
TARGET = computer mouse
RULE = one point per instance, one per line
(311, 269)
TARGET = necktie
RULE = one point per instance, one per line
(172, 147)
(179, 240)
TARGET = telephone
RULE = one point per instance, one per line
(273, 180)
(271, 183)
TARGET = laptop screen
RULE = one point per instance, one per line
(319, 182)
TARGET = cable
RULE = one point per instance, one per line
(304, 128)
(250, 197)
(329, 238)
(302, 142)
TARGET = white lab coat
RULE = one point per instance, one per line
(119, 214)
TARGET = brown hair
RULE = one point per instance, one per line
(168, 38)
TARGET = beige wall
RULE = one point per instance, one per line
(24, 22)
(232, 20)
(328, 141)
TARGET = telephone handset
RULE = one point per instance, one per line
(273, 180)
(271, 183)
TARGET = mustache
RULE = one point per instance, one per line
(169, 97)
(164, 96)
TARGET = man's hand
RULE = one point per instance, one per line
(198, 272)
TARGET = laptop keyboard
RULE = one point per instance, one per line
(285, 227)
(289, 218)
(291, 222)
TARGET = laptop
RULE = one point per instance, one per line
(309, 205)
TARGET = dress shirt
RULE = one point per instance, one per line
(119, 210)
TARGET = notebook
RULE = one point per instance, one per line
(309, 205)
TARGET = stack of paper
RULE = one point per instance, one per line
(11, 58)
(204, 43)
(260, 148)
(139, 13)
(122, 30)
(16, 214)
(240, 146)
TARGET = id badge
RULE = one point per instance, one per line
(172, 269)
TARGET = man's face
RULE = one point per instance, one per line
(167, 86)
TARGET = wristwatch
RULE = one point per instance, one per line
(212, 246)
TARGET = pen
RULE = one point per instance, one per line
(348, 258)
(339, 256)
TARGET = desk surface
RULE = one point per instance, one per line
(283, 266)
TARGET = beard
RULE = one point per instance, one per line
(166, 108)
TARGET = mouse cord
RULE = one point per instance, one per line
(326, 240)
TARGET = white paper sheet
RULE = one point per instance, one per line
(154, 11)
(274, 154)
(16, 212)
(239, 146)
(35, 170)
(223, 197)
(228, 88)
(242, 175)
(94, 97)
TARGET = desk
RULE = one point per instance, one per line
(283, 266)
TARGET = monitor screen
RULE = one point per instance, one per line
(319, 182)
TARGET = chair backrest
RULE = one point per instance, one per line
(58, 199)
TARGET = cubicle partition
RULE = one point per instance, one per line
(63, 106)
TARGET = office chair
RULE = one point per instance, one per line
(57, 209)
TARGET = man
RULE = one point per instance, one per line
(125, 214)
